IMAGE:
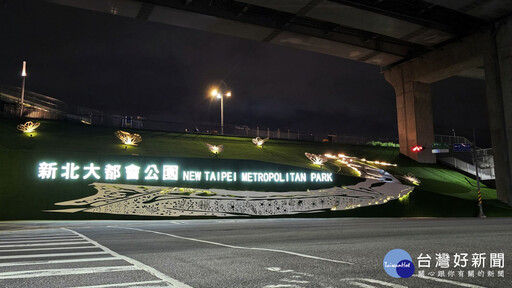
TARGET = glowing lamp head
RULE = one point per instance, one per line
(219, 96)
(28, 127)
(228, 94)
(128, 138)
(214, 92)
(24, 71)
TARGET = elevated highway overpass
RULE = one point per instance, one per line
(416, 43)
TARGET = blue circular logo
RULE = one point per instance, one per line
(398, 264)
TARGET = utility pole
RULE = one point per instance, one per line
(222, 115)
(475, 160)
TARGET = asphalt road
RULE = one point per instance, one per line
(270, 253)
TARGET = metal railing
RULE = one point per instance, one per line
(450, 139)
(484, 173)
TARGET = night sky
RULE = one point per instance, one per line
(132, 67)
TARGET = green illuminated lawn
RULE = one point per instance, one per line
(442, 192)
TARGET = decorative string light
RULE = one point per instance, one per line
(360, 166)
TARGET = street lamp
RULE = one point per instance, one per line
(23, 75)
(220, 92)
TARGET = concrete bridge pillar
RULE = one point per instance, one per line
(414, 113)
(411, 81)
(498, 78)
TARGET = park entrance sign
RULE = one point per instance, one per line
(153, 186)
(96, 186)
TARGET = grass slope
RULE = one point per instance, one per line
(442, 192)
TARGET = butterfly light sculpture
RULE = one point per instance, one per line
(412, 179)
(215, 149)
(316, 159)
(259, 142)
(128, 138)
(28, 127)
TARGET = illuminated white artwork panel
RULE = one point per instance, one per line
(175, 201)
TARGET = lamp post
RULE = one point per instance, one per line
(23, 75)
(220, 92)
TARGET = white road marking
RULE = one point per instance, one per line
(131, 284)
(52, 248)
(44, 244)
(61, 272)
(52, 255)
(278, 269)
(449, 282)
(294, 281)
(177, 222)
(58, 261)
(355, 283)
(149, 269)
(375, 281)
(14, 239)
(7, 237)
(237, 247)
(45, 241)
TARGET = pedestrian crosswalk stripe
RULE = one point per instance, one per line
(39, 238)
(44, 244)
(6, 236)
(70, 247)
(51, 248)
(61, 272)
(149, 269)
(52, 255)
(24, 263)
(45, 241)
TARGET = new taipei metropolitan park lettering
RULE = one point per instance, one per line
(49, 171)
